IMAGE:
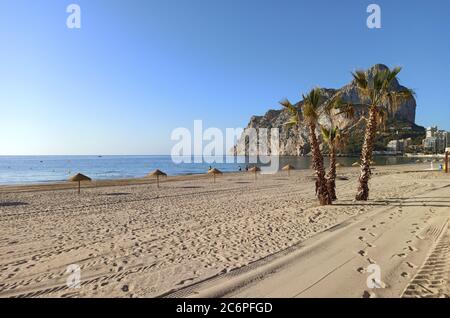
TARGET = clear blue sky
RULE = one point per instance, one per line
(137, 69)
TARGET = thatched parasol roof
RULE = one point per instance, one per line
(214, 171)
(79, 177)
(157, 173)
(254, 169)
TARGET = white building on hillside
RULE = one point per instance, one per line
(436, 140)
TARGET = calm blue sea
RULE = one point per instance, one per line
(41, 169)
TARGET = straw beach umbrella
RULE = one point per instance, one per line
(288, 168)
(255, 170)
(78, 178)
(157, 173)
(214, 172)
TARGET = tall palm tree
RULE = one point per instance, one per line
(309, 114)
(381, 100)
(335, 139)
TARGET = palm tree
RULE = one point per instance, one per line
(309, 114)
(335, 139)
(381, 100)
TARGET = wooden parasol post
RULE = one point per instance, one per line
(214, 172)
(255, 171)
(78, 178)
(288, 168)
(157, 173)
(446, 162)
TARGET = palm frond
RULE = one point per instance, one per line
(393, 73)
(382, 116)
(393, 100)
(293, 121)
(325, 134)
(288, 106)
(360, 78)
(312, 102)
(294, 112)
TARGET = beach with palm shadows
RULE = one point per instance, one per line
(193, 237)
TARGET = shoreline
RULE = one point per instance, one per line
(64, 185)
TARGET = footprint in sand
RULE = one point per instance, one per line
(382, 222)
(411, 265)
(403, 255)
(370, 244)
(412, 248)
(368, 294)
(361, 238)
(361, 270)
(363, 229)
(362, 253)
(404, 274)
(371, 261)
(419, 237)
(373, 234)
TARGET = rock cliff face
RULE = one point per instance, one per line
(294, 140)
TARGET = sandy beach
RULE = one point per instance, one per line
(232, 238)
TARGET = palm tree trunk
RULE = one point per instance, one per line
(321, 183)
(366, 156)
(331, 182)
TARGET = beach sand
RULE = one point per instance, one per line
(232, 238)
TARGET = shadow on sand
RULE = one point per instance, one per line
(190, 187)
(117, 194)
(9, 204)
